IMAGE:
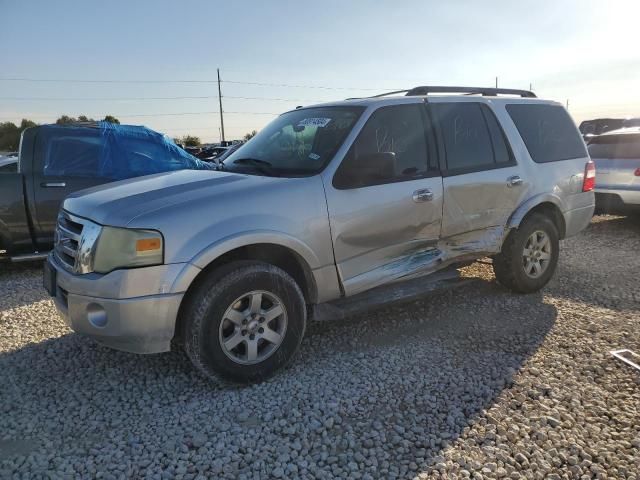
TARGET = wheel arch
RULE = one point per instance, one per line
(282, 256)
(549, 205)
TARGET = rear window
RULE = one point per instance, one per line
(615, 146)
(548, 132)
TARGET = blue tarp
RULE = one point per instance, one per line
(113, 151)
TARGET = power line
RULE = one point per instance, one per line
(158, 114)
(73, 80)
(304, 86)
(156, 98)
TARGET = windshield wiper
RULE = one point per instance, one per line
(260, 165)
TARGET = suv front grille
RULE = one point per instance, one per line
(67, 240)
(74, 242)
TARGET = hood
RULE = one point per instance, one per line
(120, 203)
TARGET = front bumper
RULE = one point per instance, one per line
(140, 323)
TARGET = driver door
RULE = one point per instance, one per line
(387, 226)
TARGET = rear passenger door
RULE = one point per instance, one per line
(482, 182)
(65, 161)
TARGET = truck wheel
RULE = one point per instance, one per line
(529, 255)
(244, 322)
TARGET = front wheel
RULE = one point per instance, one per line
(529, 255)
(244, 322)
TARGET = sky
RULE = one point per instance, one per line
(138, 60)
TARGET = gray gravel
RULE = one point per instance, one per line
(476, 383)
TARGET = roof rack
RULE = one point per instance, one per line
(484, 91)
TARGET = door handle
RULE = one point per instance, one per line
(423, 195)
(53, 184)
(514, 181)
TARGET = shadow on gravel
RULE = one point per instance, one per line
(407, 379)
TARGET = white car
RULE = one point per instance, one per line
(8, 164)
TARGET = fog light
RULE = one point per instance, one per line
(96, 315)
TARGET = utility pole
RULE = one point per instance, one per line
(496, 82)
(567, 104)
(220, 101)
(530, 87)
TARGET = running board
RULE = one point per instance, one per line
(29, 257)
(397, 292)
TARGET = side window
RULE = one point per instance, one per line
(392, 147)
(548, 132)
(466, 136)
(501, 150)
(72, 155)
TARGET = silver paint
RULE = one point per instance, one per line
(349, 240)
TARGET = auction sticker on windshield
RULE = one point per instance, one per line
(314, 122)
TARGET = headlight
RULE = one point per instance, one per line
(124, 247)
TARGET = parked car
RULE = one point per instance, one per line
(617, 158)
(56, 160)
(324, 205)
(8, 164)
(598, 126)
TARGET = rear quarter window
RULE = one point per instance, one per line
(547, 131)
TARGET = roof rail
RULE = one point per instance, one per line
(484, 91)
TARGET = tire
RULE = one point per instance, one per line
(518, 273)
(226, 326)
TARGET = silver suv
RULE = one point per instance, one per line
(325, 203)
(617, 158)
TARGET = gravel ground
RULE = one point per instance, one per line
(474, 383)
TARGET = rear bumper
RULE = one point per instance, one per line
(577, 219)
(139, 324)
(614, 199)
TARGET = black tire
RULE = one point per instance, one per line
(207, 306)
(509, 266)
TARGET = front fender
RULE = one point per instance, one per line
(525, 207)
(210, 253)
(252, 237)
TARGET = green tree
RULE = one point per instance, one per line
(10, 134)
(190, 141)
(111, 119)
(64, 119)
(250, 135)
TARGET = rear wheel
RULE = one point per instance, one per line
(244, 322)
(529, 255)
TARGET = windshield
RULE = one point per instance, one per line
(297, 143)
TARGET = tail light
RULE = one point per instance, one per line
(589, 181)
(637, 172)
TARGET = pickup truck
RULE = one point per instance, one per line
(326, 206)
(56, 160)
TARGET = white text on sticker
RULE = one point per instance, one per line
(314, 122)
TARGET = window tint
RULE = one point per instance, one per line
(501, 151)
(397, 129)
(466, 137)
(73, 155)
(548, 132)
(615, 146)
